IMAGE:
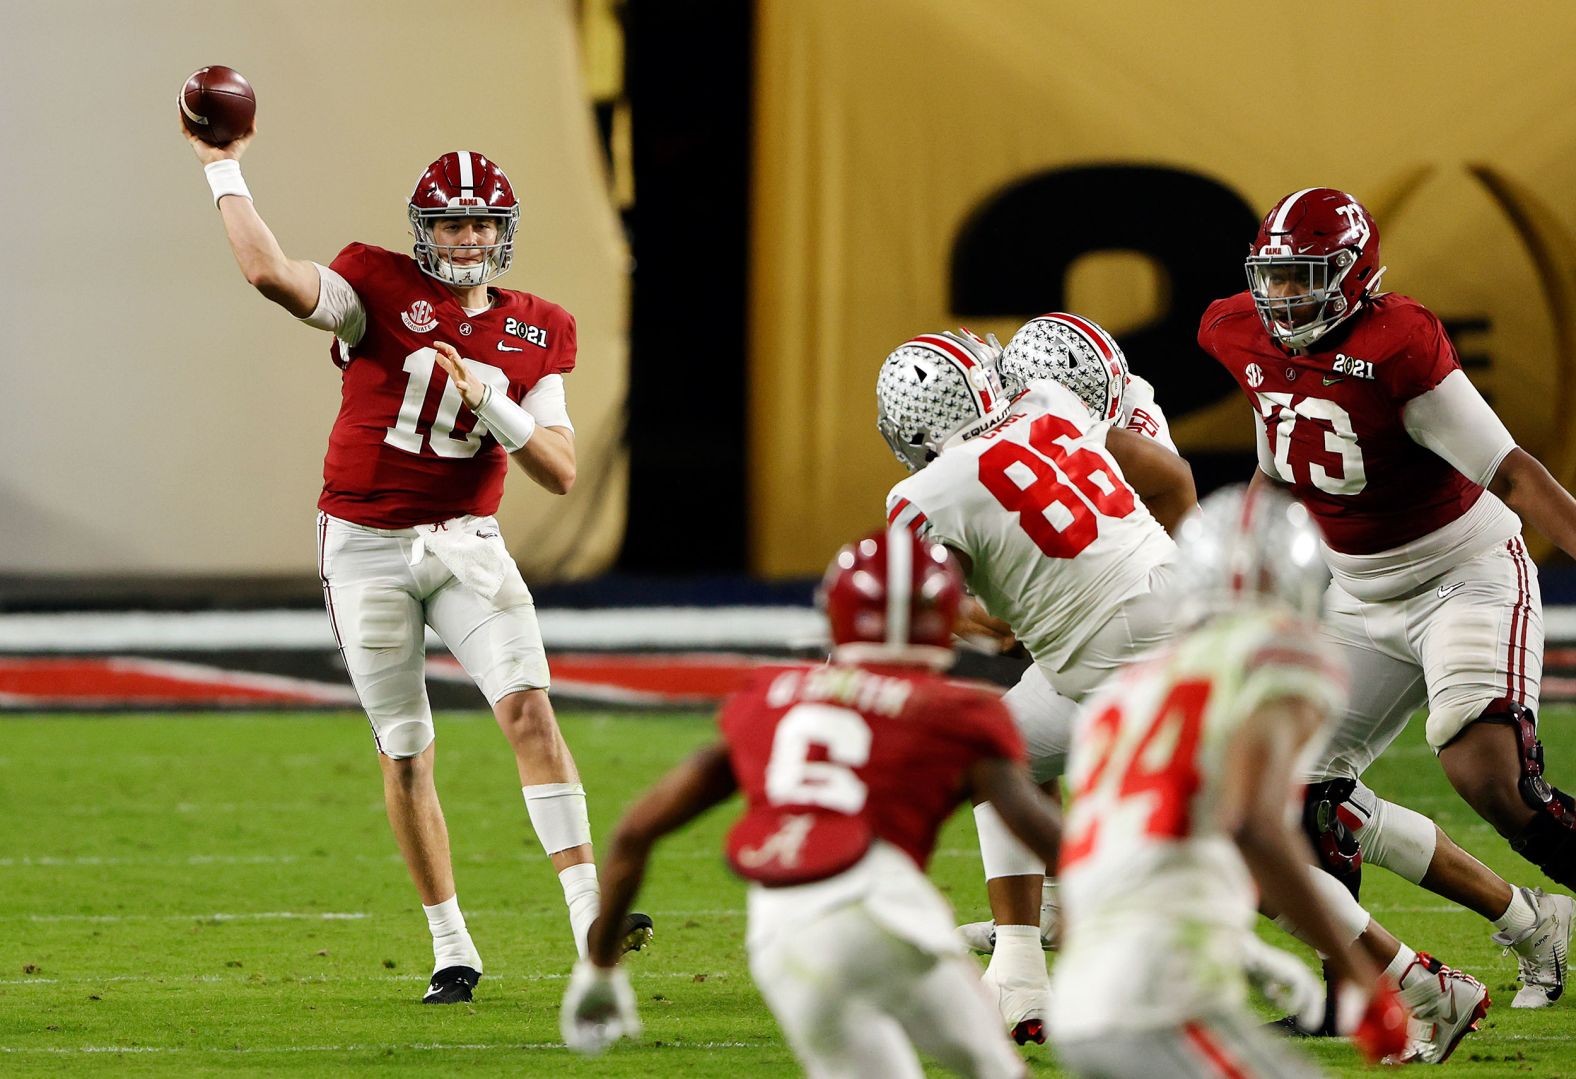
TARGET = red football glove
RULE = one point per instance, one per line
(1381, 1032)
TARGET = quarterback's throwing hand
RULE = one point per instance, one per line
(599, 1008)
(471, 389)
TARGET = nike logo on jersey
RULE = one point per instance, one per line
(1329, 381)
(1446, 589)
(486, 535)
(508, 348)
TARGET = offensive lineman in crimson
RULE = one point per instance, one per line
(414, 472)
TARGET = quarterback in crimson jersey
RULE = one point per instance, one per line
(847, 772)
(1361, 409)
(444, 380)
(400, 453)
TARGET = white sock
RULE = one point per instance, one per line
(1404, 958)
(583, 896)
(1018, 957)
(451, 941)
(1519, 917)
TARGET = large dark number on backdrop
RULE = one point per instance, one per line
(1012, 256)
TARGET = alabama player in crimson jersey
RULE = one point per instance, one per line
(1363, 412)
(444, 380)
(847, 772)
(1181, 771)
(1059, 518)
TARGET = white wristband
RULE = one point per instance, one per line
(510, 424)
(224, 177)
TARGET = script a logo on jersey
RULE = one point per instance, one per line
(419, 317)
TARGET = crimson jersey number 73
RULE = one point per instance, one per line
(1056, 490)
(1162, 769)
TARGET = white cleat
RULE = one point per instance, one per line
(1542, 950)
(981, 936)
(1446, 1006)
(1024, 1007)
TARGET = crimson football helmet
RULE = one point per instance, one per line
(1314, 261)
(463, 184)
(892, 597)
(935, 390)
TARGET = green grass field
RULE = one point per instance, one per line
(197, 894)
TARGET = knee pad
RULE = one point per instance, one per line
(1549, 840)
(1399, 839)
(1003, 853)
(1535, 790)
(1333, 840)
(404, 738)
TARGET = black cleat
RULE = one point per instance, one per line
(637, 933)
(452, 985)
(1029, 1030)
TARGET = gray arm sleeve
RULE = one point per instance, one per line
(545, 402)
(338, 307)
(1454, 421)
(1261, 442)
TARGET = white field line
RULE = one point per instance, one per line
(419, 1047)
(611, 628)
(214, 979)
(89, 861)
(327, 916)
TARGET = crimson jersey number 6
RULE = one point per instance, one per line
(1056, 490)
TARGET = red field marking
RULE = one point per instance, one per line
(697, 678)
(125, 681)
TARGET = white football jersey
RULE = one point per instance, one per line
(1141, 413)
(1056, 537)
(1155, 897)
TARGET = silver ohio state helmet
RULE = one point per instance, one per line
(1248, 545)
(1074, 351)
(934, 390)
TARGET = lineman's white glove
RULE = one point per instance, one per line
(1285, 981)
(599, 1008)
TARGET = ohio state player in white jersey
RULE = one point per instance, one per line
(1181, 770)
(413, 474)
(1040, 499)
(1363, 412)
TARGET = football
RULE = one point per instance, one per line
(217, 104)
